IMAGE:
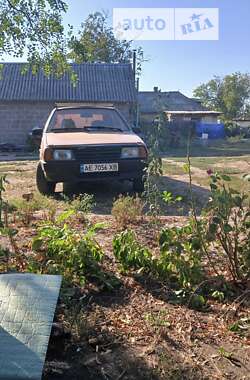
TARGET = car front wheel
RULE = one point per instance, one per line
(44, 187)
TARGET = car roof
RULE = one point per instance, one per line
(83, 107)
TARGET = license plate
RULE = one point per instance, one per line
(96, 168)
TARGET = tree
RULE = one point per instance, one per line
(34, 28)
(230, 95)
(97, 43)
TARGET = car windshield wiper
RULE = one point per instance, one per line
(62, 130)
(104, 128)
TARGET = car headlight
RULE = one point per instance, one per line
(134, 152)
(62, 154)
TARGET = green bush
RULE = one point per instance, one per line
(61, 250)
(180, 256)
(232, 129)
(83, 203)
(228, 217)
(179, 259)
(130, 253)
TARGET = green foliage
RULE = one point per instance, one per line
(229, 95)
(156, 133)
(158, 319)
(220, 296)
(61, 250)
(168, 198)
(97, 43)
(35, 28)
(228, 216)
(4, 259)
(83, 203)
(2, 203)
(225, 354)
(152, 196)
(241, 327)
(25, 208)
(180, 257)
(127, 210)
(130, 253)
(232, 129)
(198, 302)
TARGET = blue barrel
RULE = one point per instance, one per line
(214, 131)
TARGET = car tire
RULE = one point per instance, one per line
(138, 185)
(68, 188)
(44, 187)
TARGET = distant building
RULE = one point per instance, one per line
(243, 122)
(26, 99)
(204, 117)
(176, 106)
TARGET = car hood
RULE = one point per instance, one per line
(91, 138)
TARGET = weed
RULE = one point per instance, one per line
(5, 230)
(217, 295)
(82, 204)
(228, 218)
(158, 319)
(152, 196)
(4, 259)
(198, 302)
(26, 206)
(25, 209)
(2, 203)
(129, 252)
(241, 327)
(169, 199)
(225, 354)
(180, 257)
(61, 250)
(127, 210)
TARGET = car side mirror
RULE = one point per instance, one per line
(37, 132)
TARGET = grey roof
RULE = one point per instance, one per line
(211, 113)
(97, 82)
(153, 102)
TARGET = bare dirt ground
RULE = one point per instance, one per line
(138, 330)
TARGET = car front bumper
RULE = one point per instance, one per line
(69, 171)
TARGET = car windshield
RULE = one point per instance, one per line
(87, 120)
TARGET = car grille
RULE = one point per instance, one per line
(101, 153)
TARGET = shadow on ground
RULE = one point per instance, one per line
(106, 192)
(117, 359)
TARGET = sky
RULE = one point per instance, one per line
(183, 65)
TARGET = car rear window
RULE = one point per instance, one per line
(79, 119)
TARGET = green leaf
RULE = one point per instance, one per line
(198, 302)
(225, 178)
(167, 196)
(238, 201)
(218, 295)
(37, 244)
(216, 220)
(65, 215)
(178, 199)
(213, 186)
(227, 228)
(213, 228)
(186, 168)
